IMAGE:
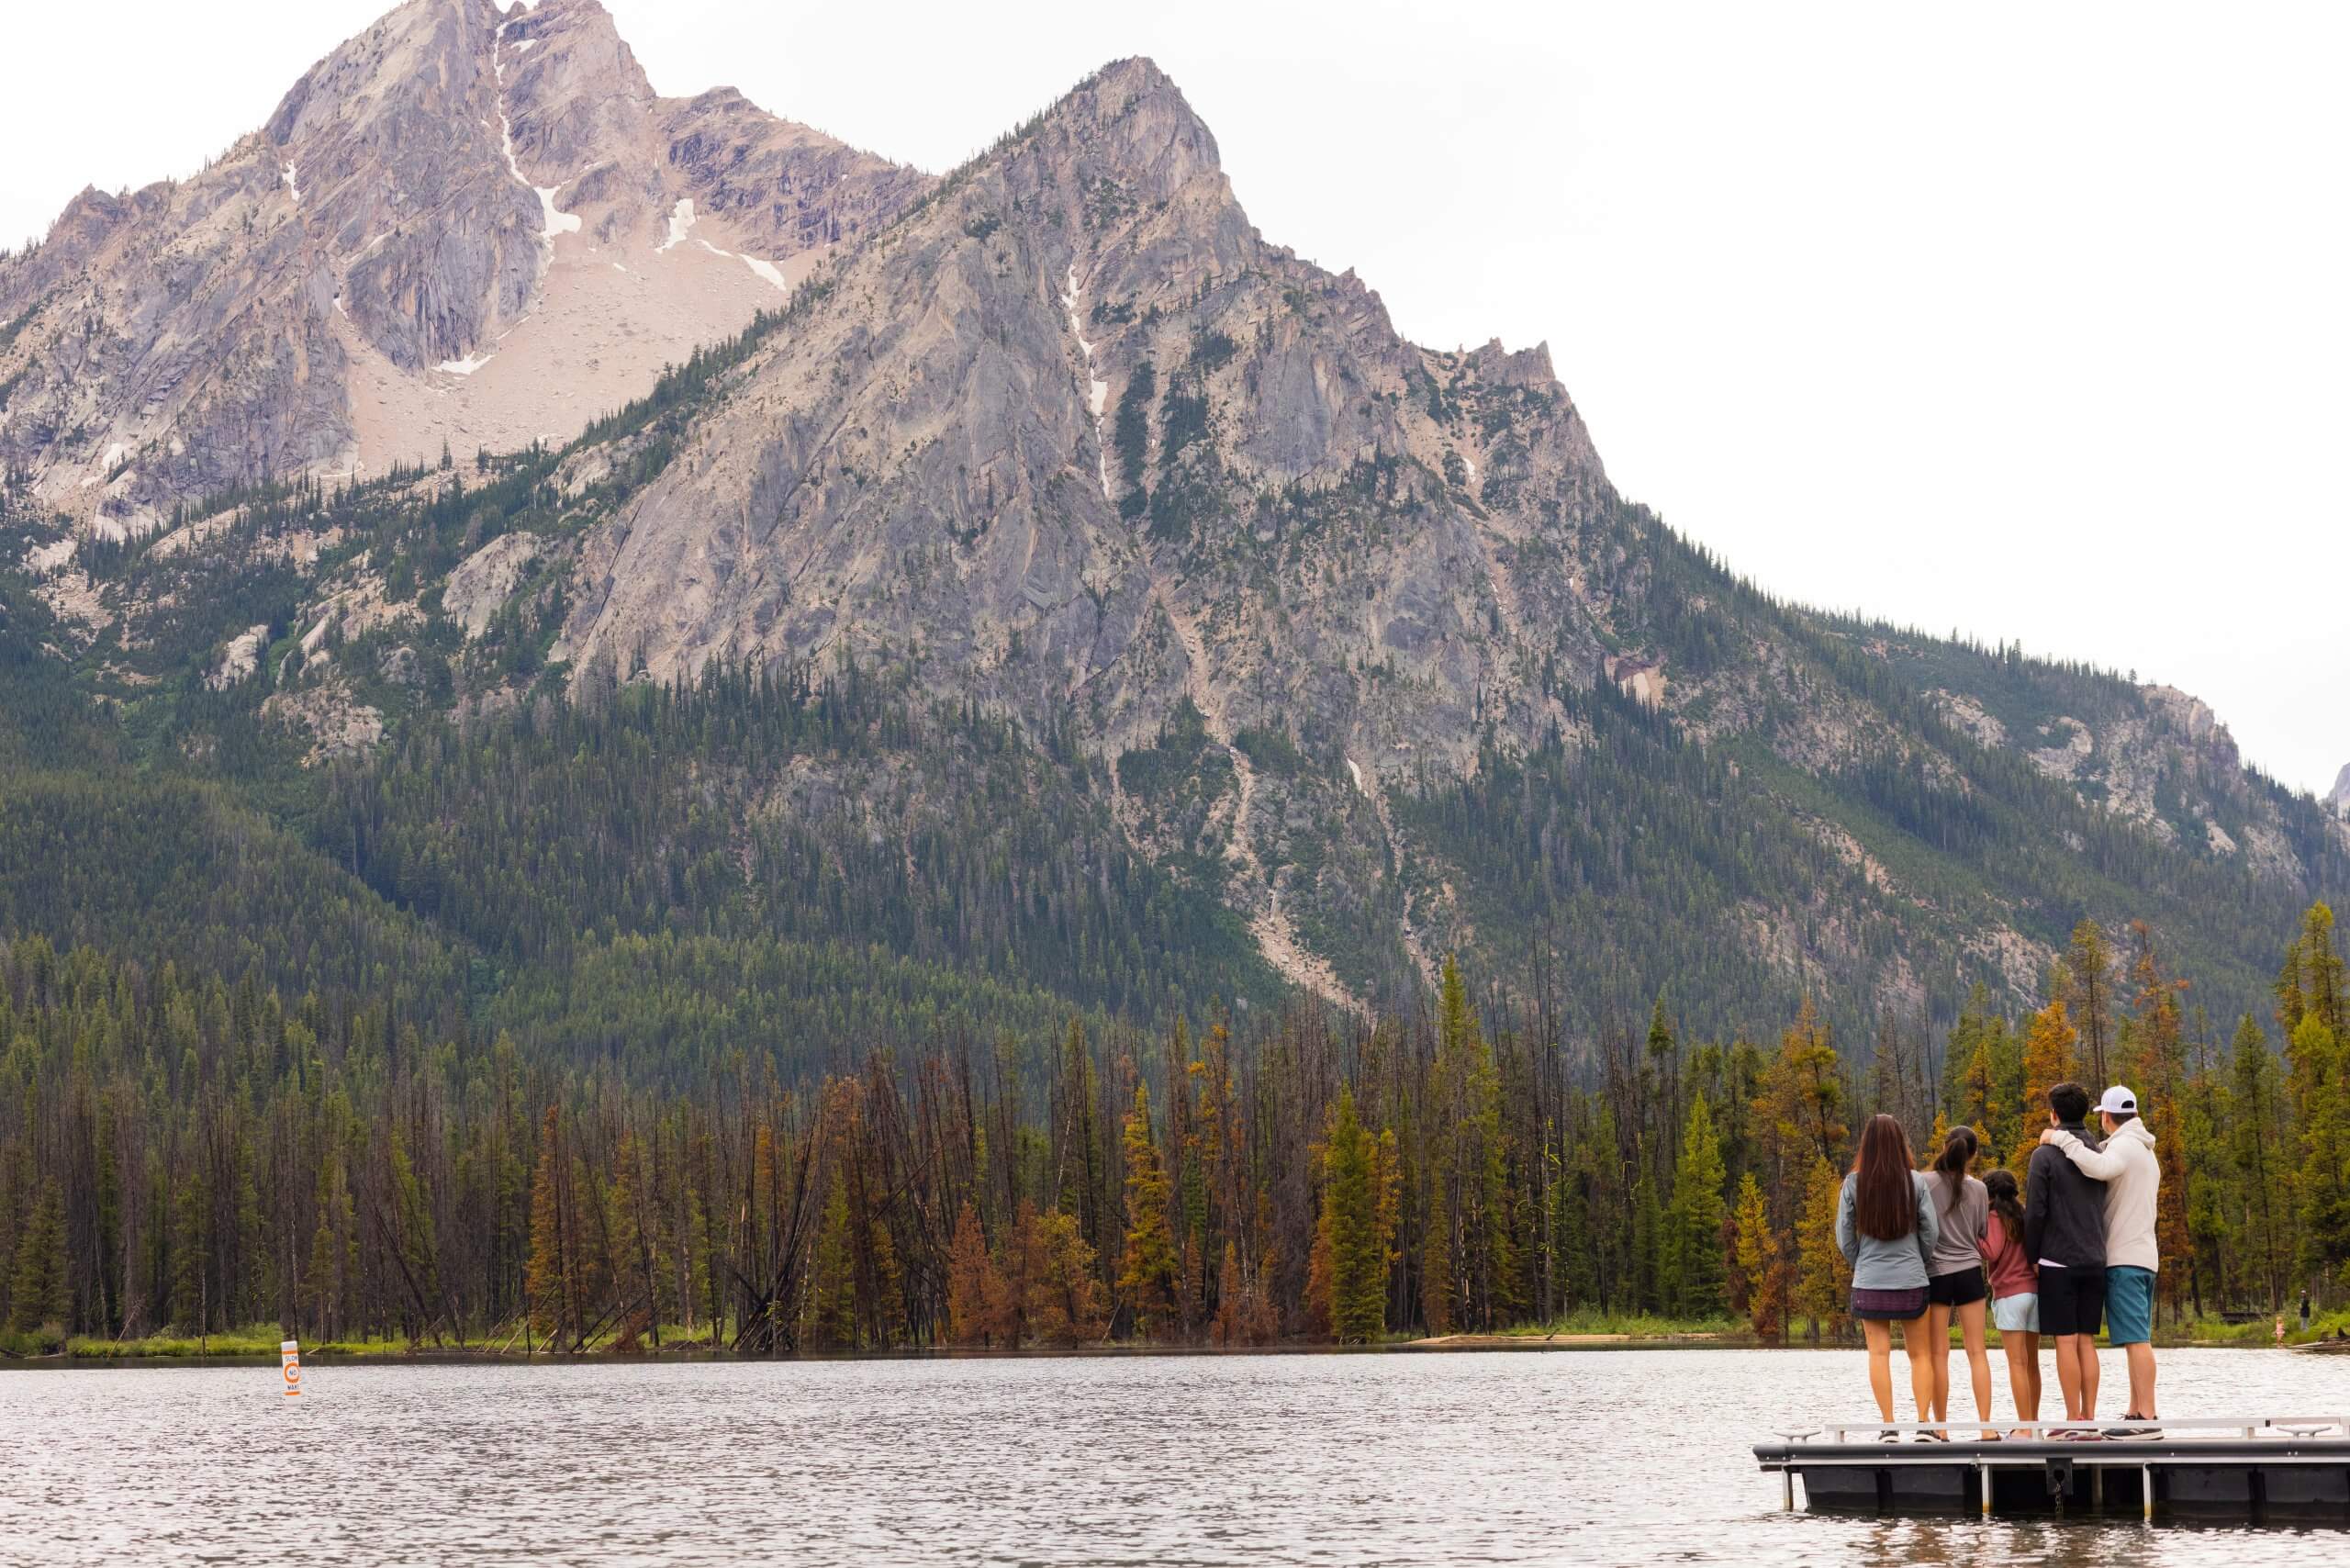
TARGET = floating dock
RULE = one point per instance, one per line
(2281, 1469)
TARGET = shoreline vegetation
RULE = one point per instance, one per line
(258, 1344)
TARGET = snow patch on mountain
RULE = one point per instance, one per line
(1098, 391)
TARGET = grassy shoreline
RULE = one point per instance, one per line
(1586, 1330)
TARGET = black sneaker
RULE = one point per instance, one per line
(2133, 1434)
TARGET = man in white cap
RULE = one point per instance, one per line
(2132, 1179)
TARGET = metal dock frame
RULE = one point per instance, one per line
(2231, 1446)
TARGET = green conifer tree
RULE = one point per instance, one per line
(39, 1290)
(1698, 1211)
(1358, 1241)
(832, 1295)
(2257, 1164)
(546, 1283)
(1651, 1265)
(2325, 1181)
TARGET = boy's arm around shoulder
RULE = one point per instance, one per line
(2101, 1163)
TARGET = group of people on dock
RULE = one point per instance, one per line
(2073, 1251)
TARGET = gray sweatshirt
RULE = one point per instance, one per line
(1964, 1221)
(1888, 1265)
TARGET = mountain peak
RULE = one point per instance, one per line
(2338, 799)
(465, 225)
(1131, 116)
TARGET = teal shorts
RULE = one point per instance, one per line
(2129, 1304)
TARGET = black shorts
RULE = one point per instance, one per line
(2072, 1301)
(1962, 1289)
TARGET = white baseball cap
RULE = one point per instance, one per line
(2118, 1102)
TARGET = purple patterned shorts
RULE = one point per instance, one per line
(1889, 1306)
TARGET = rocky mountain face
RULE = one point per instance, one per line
(1077, 439)
(1350, 639)
(2339, 796)
(2163, 762)
(463, 228)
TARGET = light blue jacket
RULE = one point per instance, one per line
(1888, 1265)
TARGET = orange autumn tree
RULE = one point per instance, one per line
(1064, 1303)
(1758, 1279)
(2050, 1057)
(1146, 1275)
(973, 1282)
(1823, 1279)
(1798, 1111)
(1801, 1102)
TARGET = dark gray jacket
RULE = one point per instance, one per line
(2064, 1210)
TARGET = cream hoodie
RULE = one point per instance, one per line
(2126, 1165)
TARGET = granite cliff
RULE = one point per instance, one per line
(463, 228)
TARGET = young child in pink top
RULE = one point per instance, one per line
(2015, 1299)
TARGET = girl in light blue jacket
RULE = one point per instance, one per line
(1887, 1226)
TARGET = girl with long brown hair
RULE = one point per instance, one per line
(1886, 1225)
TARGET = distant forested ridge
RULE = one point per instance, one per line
(498, 824)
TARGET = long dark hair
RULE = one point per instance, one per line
(1950, 1165)
(1885, 1205)
(2001, 1185)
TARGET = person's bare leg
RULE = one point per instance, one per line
(2090, 1371)
(1880, 1342)
(1938, 1347)
(1920, 1349)
(1978, 1358)
(2023, 1373)
(2069, 1373)
(2142, 1380)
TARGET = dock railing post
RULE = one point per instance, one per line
(2146, 1491)
(1983, 1481)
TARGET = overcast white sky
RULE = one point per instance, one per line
(2028, 321)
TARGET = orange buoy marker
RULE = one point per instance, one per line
(290, 1353)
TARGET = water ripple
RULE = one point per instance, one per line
(1632, 1457)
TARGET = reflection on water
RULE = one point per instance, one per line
(1628, 1457)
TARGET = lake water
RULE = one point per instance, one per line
(1602, 1457)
